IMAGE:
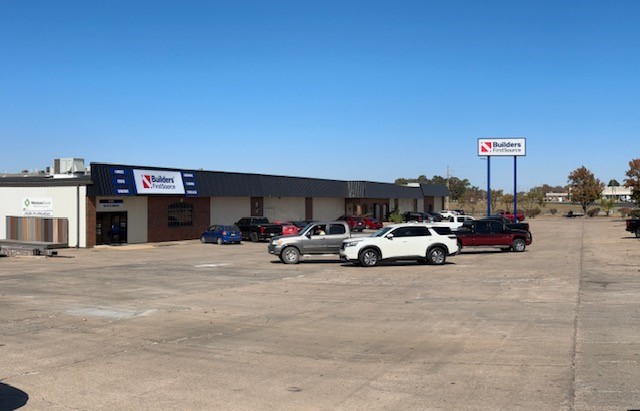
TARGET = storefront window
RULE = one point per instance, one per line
(180, 215)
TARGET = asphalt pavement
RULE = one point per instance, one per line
(196, 326)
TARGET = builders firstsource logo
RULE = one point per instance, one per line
(158, 182)
(502, 147)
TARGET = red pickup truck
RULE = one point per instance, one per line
(508, 214)
(492, 233)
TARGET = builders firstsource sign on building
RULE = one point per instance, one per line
(158, 182)
(501, 146)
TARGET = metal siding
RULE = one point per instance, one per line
(225, 184)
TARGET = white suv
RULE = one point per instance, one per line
(447, 213)
(425, 243)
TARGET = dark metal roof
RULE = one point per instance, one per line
(229, 184)
(46, 181)
(434, 190)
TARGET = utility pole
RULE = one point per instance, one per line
(446, 206)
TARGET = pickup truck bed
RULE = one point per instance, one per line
(633, 226)
(258, 228)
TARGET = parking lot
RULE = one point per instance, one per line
(187, 325)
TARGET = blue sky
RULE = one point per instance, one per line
(349, 90)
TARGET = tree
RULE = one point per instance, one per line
(471, 198)
(607, 204)
(584, 187)
(532, 199)
(496, 195)
(507, 200)
(634, 179)
(457, 187)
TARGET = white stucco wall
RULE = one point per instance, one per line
(437, 203)
(67, 202)
(228, 210)
(284, 209)
(137, 209)
(404, 204)
(327, 208)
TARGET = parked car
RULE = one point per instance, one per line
(435, 217)
(455, 221)
(258, 228)
(222, 234)
(356, 222)
(407, 241)
(372, 223)
(492, 233)
(508, 214)
(302, 223)
(420, 217)
(315, 238)
(447, 213)
(288, 228)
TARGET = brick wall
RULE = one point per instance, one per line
(158, 226)
(91, 222)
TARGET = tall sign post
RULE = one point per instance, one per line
(489, 147)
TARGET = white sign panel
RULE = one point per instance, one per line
(37, 207)
(158, 182)
(502, 147)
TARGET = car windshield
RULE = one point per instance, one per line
(381, 232)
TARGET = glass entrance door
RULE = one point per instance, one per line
(111, 228)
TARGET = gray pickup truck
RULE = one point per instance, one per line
(316, 238)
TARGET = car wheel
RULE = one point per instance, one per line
(253, 237)
(203, 240)
(290, 255)
(368, 257)
(637, 232)
(437, 256)
(219, 241)
(518, 245)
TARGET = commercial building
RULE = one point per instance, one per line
(115, 203)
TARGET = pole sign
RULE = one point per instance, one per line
(502, 147)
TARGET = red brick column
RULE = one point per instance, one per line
(91, 222)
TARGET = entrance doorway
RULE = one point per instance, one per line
(111, 228)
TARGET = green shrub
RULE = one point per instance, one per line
(395, 217)
(593, 212)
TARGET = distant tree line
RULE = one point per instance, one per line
(582, 185)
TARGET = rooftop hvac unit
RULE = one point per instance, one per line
(68, 166)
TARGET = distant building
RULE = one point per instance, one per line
(556, 197)
(617, 193)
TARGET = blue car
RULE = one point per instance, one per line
(222, 234)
